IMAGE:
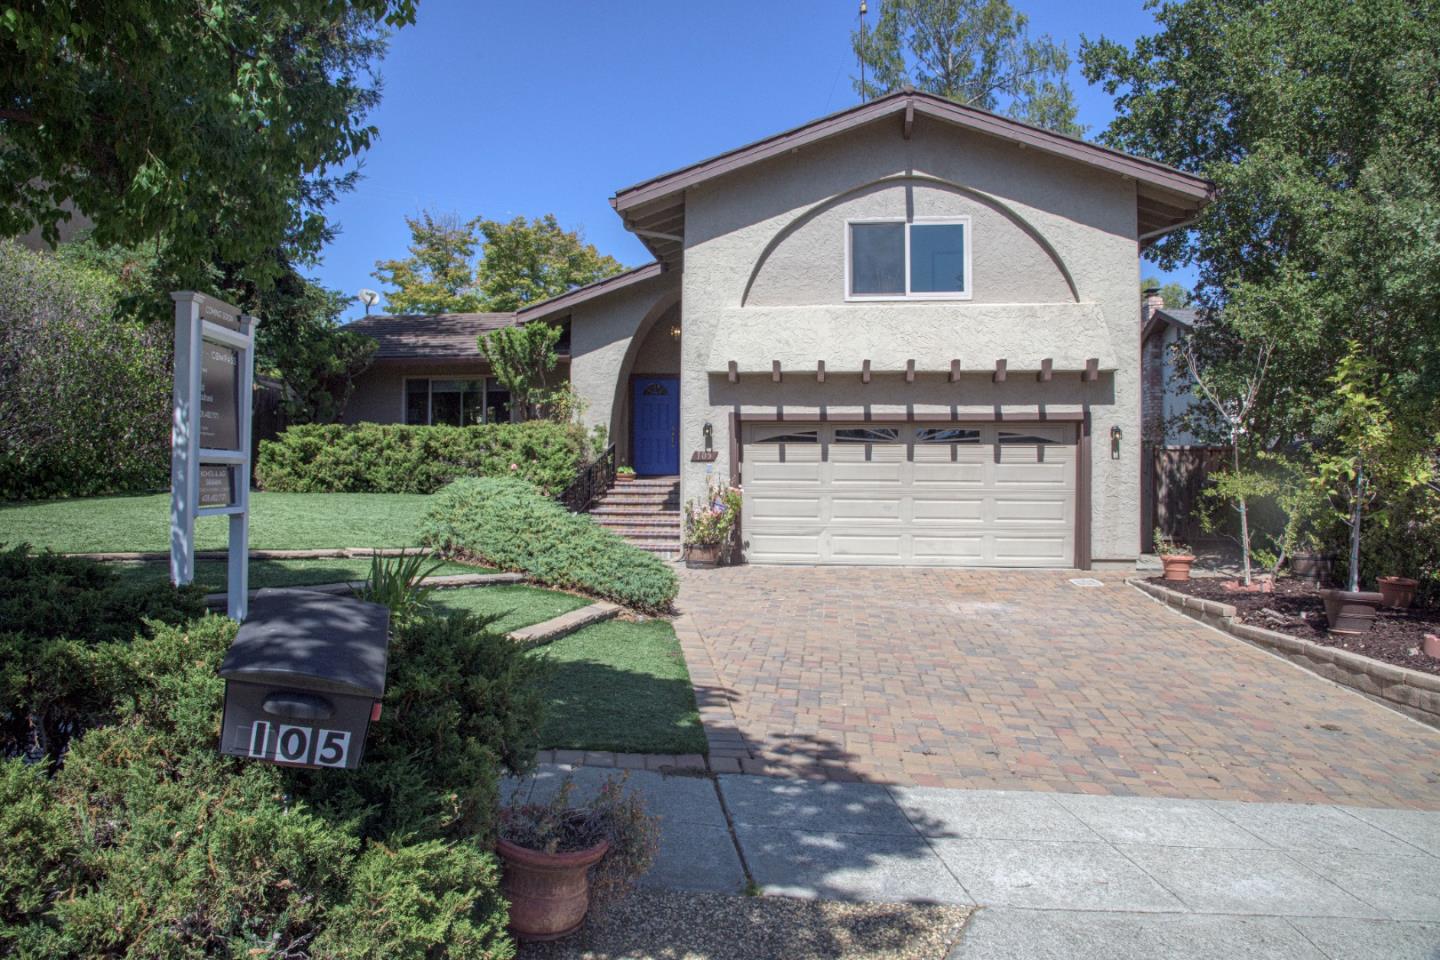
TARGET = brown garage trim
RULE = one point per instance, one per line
(845, 416)
(1081, 420)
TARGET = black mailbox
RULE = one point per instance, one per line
(304, 679)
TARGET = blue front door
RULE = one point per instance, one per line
(656, 406)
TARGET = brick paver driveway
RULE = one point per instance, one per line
(1020, 680)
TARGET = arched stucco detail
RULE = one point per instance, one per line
(910, 179)
(620, 406)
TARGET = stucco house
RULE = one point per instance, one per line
(909, 330)
(1167, 393)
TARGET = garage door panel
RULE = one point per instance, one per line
(946, 495)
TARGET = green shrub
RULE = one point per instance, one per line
(385, 458)
(58, 617)
(147, 842)
(85, 408)
(509, 524)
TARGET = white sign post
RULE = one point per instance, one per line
(210, 435)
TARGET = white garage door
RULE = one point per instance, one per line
(961, 494)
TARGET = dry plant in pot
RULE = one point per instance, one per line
(562, 859)
(1175, 556)
(710, 526)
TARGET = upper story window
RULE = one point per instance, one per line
(915, 260)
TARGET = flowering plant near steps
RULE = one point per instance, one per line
(615, 814)
(711, 519)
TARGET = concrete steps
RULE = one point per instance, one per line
(646, 512)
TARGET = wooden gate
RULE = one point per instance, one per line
(1171, 483)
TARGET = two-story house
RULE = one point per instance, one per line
(909, 330)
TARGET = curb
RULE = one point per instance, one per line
(1411, 692)
(332, 553)
(682, 764)
(449, 581)
(548, 631)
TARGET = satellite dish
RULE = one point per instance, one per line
(369, 298)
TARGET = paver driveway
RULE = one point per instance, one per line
(1021, 680)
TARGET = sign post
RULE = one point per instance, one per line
(210, 435)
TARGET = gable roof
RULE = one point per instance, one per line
(654, 210)
(447, 336)
(597, 288)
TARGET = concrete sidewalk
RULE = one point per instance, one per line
(1062, 875)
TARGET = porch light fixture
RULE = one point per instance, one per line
(1116, 435)
(675, 331)
(709, 433)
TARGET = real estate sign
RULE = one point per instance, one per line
(210, 435)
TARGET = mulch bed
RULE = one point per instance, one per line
(1295, 608)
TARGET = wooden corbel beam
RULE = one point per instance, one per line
(909, 125)
(999, 376)
(954, 371)
(734, 374)
(865, 372)
(909, 371)
(1046, 366)
(819, 371)
(1092, 370)
(774, 371)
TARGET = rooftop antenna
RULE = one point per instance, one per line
(864, 9)
(369, 298)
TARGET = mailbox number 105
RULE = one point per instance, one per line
(308, 745)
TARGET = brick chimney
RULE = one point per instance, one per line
(1150, 301)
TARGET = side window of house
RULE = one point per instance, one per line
(456, 403)
(899, 260)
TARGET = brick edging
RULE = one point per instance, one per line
(1411, 692)
(324, 553)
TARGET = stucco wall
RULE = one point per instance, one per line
(606, 335)
(1047, 233)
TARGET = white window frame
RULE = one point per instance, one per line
(962, 221)
(430, 397)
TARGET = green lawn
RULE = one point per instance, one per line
(211, 574)
(621, 686)
(278, 521)
(514, 605)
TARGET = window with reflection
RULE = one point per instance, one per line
(1027, 439)
(947, 435)
(799, 436)
(867, 435)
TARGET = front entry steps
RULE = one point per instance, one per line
(645, 512)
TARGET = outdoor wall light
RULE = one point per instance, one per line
(675, 331)
(709, 432)
(1116, 435)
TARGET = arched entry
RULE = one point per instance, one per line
(653, 355)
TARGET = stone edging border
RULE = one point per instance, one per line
(330, 553)
(446, 582)
(1411, 692)
(548, 631)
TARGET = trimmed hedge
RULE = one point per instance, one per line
(147, 842)
(507, 523)
(389, 458)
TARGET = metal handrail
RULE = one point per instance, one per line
(594, 479)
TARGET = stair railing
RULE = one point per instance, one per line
(594, 479)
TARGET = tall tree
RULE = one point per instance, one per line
(522, 262)
(1317, 121)
(438, 276)
(975, 52)
(526, 261)
(216, 131)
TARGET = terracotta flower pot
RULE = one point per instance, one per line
(1397, 592)
(549, 893)
(1431, 646)
(1350, 612)
(1312, 566)
(624, 478)
(702, 556)
(1177, 567)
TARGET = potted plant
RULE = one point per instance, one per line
(1371, 448)
(1310, 562)
(1175, 556)
(710, 526)
(1397, 592)
(561, 859)
(624, 474)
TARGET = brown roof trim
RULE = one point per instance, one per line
(565, 301)
(1143, 170)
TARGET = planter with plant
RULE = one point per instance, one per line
(710, 525)
(624, 474)
(1397, 592)
(1176, 557)
(1372, 450)
(560, 860)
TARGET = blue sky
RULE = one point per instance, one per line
(547, 106)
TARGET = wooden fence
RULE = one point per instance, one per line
(1170, 488)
